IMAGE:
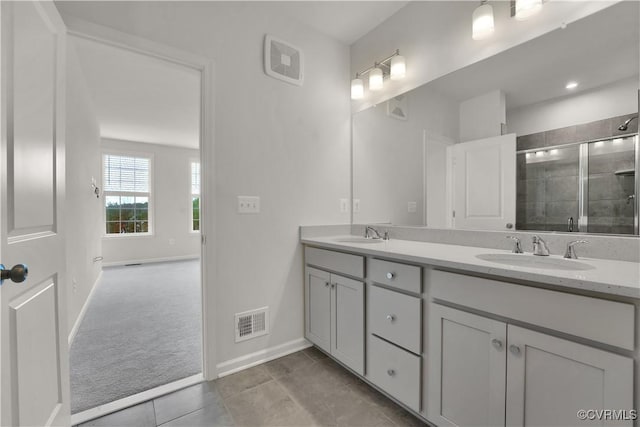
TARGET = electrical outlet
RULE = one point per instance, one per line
(412, 207)
(248, 204)
(356, 205)
(344, 205)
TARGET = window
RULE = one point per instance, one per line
(195, 196)
(126, 190)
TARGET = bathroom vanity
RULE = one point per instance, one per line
(475, 336)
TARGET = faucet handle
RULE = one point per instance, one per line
(517, 247)
(571, 252)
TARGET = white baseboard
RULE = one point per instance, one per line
(150, 260)
(249, 360)
(76, 325)
(126, 402)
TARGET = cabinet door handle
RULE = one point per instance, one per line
(391, 372)
(391, 275)
(326, 284)
(514, 349)
(496, 343)
(333, 285)
(391, 317)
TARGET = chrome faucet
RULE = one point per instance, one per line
(571, 252)
(517, 247)
(372, 233)
(540, 246)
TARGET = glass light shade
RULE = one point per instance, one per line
(398, 67)
(527, 8)
(375, 79)
(483, 24)
(357, 89)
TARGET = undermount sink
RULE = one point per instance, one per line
(532, 261)
(356, 239)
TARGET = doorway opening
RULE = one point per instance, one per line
(140, 331)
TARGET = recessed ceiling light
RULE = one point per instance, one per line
(572, 85)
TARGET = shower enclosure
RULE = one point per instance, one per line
(588, 186)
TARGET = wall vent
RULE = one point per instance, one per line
(252, 324)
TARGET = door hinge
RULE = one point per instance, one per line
(203, 239)
(453, 214)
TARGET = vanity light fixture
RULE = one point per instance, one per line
(482, 21)
(524, 9)
(376, 79)
(571, 85)
(394, 66)
(357, 88)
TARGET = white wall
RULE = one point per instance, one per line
(612, 100)
(435, 38)
(389, 158)
(289, 145)
(170, 210)
(482, 116)
(83, 209)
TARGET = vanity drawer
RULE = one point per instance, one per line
(401, 276)
(351, 265)
(396, 317)
(395, 371)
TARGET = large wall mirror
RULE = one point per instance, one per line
(509, 143)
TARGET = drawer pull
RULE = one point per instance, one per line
(391, 372)
(514, 349)
(496, 343)
(391, 317)
(391, 275)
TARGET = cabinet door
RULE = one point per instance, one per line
(347, 337)
(318, 308)
(467, 364)
(550, 379)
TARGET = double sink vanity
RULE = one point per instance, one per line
(467, 335)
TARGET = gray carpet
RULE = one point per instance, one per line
(142, 329)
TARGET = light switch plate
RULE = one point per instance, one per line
(412, 207)
(248, 204)
(344, 205)
(356, 205)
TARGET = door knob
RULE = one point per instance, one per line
(391, 317)
(391, 275)
(514, 349)
(18, 273)
(496, 343)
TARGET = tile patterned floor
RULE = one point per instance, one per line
(302, 389)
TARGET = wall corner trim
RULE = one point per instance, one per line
(253, 359)
(83, 311)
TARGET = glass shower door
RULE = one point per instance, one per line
(611, 202)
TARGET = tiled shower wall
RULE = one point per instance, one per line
(547, 186)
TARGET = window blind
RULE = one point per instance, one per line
(126, 174)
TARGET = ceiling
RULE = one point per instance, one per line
(597, 50)
(346, 21)
(141, 98)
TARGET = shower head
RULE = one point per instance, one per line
(625, 125)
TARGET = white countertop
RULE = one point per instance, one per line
(608, 276)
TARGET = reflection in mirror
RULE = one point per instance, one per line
(575, 168)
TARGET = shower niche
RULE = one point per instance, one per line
(579, 186)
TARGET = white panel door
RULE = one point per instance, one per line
(347, 328)
(34, 373)
(467, 364)
(550, 379)
(484, 183)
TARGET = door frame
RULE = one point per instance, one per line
(84, 29)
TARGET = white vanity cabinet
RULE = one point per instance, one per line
(334, 305)
(394, 328)
(491, 372)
